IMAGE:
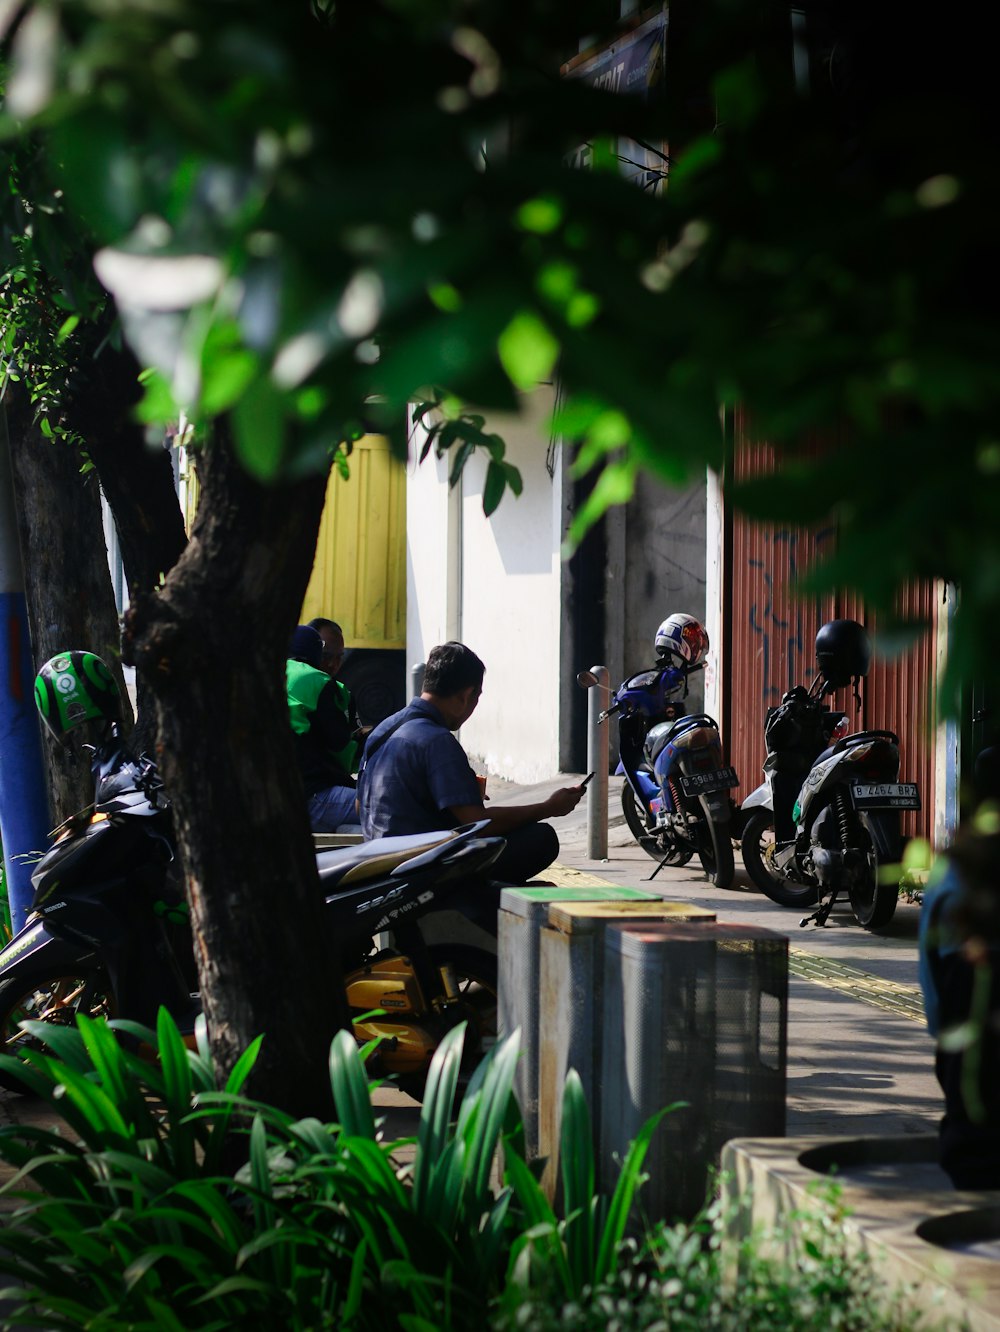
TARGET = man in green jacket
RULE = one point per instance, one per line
(326, 747)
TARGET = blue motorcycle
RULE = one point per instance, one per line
(675, 797)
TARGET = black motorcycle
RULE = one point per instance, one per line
(108, 934)
(827, 814)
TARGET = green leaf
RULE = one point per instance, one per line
(260, 425)
(629, 1182)
(260, 1174)
(528, 350)
(576, 1162)
(66, 1042)
(67, 329)
(541, 216)
(157, 405)
(433, 1132)
(226, 376)
(483, 1128)
(350, 1087)
(208, 1196)
(494, 487)
(244, 1065)
(177, 1087)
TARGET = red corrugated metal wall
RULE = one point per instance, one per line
(771, 632)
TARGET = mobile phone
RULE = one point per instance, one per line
(586, 779)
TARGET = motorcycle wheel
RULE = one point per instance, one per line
(873, 903)
(642, 831)
(476, 976)
(757, 845)
(715, 851)
(50, 997)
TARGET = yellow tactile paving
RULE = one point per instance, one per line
(564, 876)
(892, 996)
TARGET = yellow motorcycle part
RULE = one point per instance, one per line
(389, 983)
(405, 1048)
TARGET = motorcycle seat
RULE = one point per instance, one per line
(862, 738)
(354, 864)
(662, 734)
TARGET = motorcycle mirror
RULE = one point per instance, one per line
(586, 679)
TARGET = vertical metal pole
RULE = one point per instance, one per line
(417, 679)
(24, 818)
(598, 747)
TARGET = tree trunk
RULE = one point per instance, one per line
(211, 643)
(67, 582)
(137, 479)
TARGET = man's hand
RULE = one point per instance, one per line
(506, 818)
(562, 801)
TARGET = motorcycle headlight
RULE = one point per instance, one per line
(645, 680)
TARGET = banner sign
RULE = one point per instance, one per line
(634, 64)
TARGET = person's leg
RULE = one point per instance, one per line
(329, 810)
(529, 850)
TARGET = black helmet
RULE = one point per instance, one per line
(843, 651)
(74, 688)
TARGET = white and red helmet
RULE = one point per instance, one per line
(683, 638)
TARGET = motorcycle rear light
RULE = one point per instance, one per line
(841, 729)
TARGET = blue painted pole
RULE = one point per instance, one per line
(24, 816)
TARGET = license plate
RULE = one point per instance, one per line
(719, 779)
(885, 795)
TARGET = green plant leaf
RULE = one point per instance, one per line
(629, 1182)
(350, 1087)
(208, 1196)
(244, 1065)
(67, 1043)
(528, 350)
(433, 1131)
(494, 487)
(177, 1089)
(482, 1130)
(260, 427)
(576, 1163)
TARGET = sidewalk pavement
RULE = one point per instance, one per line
(860, 1060)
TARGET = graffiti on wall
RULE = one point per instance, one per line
(778, 619)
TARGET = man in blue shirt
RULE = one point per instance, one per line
(415, 776)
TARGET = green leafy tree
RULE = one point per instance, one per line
(310, 217)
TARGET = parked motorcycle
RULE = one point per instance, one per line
(827, 814)
(108, 933)
(675, 795)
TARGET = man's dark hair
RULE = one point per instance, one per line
(306, 646)
(321, 623)
(452, 667)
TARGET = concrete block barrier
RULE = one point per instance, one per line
(939, 1243)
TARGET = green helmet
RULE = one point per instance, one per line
(73, 688)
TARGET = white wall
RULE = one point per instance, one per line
(433, 535)
(714, 594)
(495, 584)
